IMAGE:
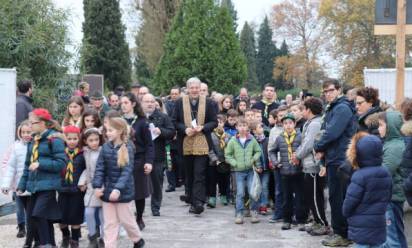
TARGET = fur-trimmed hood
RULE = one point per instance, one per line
(365, 150)
(406, 128)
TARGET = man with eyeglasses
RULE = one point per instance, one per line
(339, 125)
(162, 130)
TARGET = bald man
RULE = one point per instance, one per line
(162, 127)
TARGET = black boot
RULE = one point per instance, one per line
(22, 231)
(93, 242)
(139, 244)
(65, 242)
(141, 224)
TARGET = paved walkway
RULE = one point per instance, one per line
(176, 228)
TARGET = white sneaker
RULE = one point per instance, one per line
(254, 218)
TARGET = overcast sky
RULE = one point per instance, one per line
(251, 11)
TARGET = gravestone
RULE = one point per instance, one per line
(96, 82)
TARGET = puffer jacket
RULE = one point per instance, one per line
(243, 157)
(217, 153)
(286, 168)
(305, 153)
(78, 167)
(368, 194)
(15, 165)
(52, 160)
(406, 163)
(110, 176)
(393, 150)
(90, 156)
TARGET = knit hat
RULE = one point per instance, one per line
(369, 151)
(71, 129)
(42, 114)
(289, 116)
(96, 95)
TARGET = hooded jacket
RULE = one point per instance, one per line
(243, 157)
(371, 127)
(52, 160)
(406, 163)
(305, 151)
(339, 125)
(393, 150)
(368, 194)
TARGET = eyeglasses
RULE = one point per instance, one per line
(329, 91)
(359, 103)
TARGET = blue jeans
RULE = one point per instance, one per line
(20, 211)
(366, 246)
(278, 213)
(243, 179)
(264, 179)
(395, 236)
(90, 213)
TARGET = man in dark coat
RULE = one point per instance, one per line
(268, 102)
(195, 119)
(175, 175)
(162, 130)
(23, 100)
(339, 125)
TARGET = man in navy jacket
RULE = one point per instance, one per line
(339, 125)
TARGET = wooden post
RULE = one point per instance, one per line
(400, 52)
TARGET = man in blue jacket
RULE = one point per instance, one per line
(339, 125)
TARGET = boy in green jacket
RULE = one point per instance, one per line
(243, 154)
(390, 124)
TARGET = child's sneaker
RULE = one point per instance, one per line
(286, 226)
(275, 220)
(212, 202)
(223, 200)
(309, 228)
(320, 231)
(239, 219)
(255, 218)
(301, 227)
(263, 210)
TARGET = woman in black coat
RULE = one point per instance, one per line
(144, 152)
(367, 103)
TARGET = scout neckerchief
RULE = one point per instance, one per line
(35, 150)
(267, 104)
(70, 167)
(221, 135)
(133, 121)
(289, 141)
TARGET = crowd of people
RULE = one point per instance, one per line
(262, 155)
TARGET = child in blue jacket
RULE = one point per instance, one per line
(369, 192)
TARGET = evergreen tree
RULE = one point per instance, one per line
(247, 44)
(284, 49)
(201, 43)
(233, 13)
(105, 50)
(266, 54)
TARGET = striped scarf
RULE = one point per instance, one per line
(70, 165)
(35, 150)
(289, 141)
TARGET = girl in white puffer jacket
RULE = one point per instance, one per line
(14, 166)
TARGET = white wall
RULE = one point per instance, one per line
(7, 117)
(385, 81)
